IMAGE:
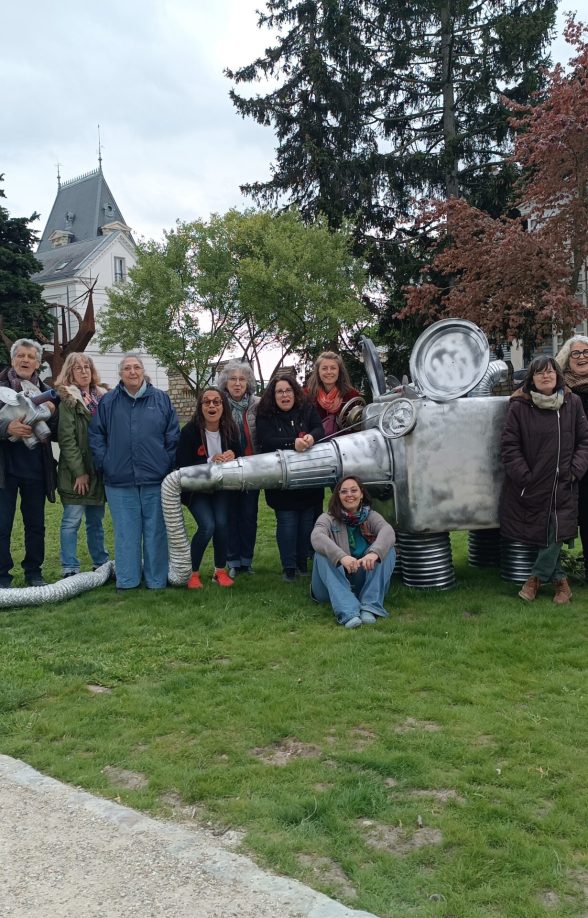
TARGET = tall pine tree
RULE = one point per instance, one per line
(379, 102)
(21, 299)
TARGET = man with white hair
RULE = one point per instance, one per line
(30, 472)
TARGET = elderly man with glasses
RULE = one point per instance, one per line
(28, 471)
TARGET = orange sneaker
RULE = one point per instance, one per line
(222, 578)
(194, 583)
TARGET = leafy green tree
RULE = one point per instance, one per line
(237, 283)
(22, 309)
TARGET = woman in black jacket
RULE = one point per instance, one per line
(545, 454)
(211, 436)
(286, 419)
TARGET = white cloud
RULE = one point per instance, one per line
(151, 74)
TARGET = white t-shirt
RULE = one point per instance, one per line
(213, 443)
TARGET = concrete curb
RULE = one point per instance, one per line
(192, 846)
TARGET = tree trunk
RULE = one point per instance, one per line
(449, 123)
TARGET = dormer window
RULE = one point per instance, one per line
(60, 237)
(120, 270)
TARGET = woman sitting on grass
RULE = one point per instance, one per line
(211, 436)
(354, 556)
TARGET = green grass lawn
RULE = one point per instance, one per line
(432, 764)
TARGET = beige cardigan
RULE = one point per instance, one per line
(329, 537)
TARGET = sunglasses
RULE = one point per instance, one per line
(211, 401)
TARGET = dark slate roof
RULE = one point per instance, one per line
(81, 207)
(66, 261)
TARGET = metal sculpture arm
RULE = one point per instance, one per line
(366, 453)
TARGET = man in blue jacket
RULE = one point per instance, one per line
(133, 438)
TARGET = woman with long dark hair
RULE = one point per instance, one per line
(545, 454)
(286, 419)
(354, 556)
(210, 436)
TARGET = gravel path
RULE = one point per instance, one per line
(66, 854)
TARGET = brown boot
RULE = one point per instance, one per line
(562, 591)
(530, 589)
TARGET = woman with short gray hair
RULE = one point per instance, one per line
(237, 380)
(573, 360)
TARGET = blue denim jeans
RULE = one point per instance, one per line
(68, 536)
(140, 539)
(293, 528)
(242, 527)
(32, 508)
(211, 512)
(349, 594)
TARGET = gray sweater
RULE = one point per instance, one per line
(329, 537)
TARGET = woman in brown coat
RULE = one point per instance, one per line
(545, 453)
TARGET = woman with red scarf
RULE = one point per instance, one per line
(354, 556)
(330, 389)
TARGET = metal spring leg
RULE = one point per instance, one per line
(426, 560)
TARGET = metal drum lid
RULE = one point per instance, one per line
(373, 366)
(449, 359)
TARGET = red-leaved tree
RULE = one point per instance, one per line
(519, 276)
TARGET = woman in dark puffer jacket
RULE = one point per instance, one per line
(545, 453)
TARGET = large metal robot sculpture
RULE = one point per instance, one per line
(429, 454)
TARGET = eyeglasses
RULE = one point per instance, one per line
(211, 401)
(577, 354)
(548, 371)
(284, 391)
(352, 492)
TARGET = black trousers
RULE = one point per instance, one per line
(32, 507)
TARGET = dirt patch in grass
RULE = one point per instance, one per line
(362, 738)
(442, 794)
(391, 782)
(397, 839)
(131, 780)
(321, 787)
(411, 723)
(96, 689)
(549, 898)
(287, 749)
(484, 740)
(329, 872)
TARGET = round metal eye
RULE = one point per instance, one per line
(398, 418)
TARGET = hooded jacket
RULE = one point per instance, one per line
(544, 453)
(75, 455)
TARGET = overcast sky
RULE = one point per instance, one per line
(151, 74)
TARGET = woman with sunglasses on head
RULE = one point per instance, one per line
(545, 454)
(286, 419)
(573, 360)
(354, 556)
(211, 436)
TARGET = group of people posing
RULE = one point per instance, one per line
(118, 446)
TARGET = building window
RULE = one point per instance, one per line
(120, 270)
